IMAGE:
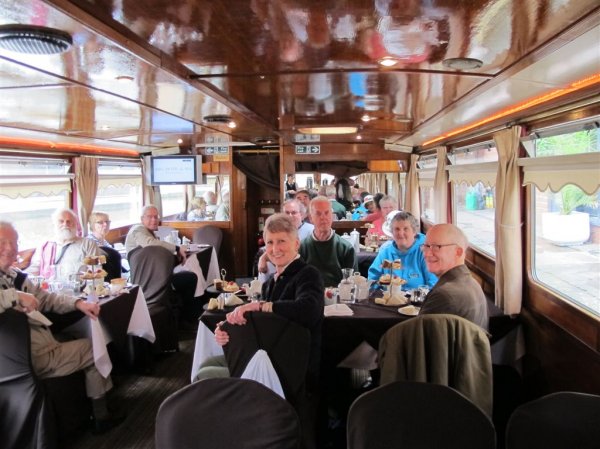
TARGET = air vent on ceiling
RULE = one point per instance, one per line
(266, 141)
(34, 40)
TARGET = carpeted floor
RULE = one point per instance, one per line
(140, 397)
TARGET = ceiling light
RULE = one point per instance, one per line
(358, 137)
(462, 63)
(329, 130)
(232, 124)
(366, 118)
(388, 61)
(34, 40)
(179, 141)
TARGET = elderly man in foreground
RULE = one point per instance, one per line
(49, 357)
(456, 292)
(324, 249)
(65, 253)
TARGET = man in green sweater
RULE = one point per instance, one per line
(324, 249)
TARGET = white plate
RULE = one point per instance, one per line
(409, 310)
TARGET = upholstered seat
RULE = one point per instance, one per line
(152, 270)
(226, 413)
(417, 415)
(210, 235)
(556, 421)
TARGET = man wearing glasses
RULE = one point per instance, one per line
(296, 210)
(456, 292)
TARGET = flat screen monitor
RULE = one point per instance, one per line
(173, 170)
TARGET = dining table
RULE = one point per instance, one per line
(121, 316)
(201, 260)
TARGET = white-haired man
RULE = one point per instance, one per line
(456, 292)
(64, 254)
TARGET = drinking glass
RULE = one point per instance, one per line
(346, 273)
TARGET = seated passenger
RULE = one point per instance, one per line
(456, 292)
(184, 282)
(99, 227)
(65, 253)
(365, 208)
(375, 212)
(304, 197)
(295, 209)
(406, 247)
(324, 249)
(386, 204)
(338, 208)
(295, 292)
(222, 212)
(210, 198)
(49, 357)
(198, 212)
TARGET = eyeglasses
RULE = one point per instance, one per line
(435, 248)
(292, 212)
(103, 221)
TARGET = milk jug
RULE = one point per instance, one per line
(355, 240)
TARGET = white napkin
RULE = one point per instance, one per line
(36, 315)
(338, 310)
(233, 300)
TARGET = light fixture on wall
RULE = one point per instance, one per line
(329, 130)
(34, 40)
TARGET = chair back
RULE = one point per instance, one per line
(25, 421)
(441, 349)
(417, 415)
(152, 269)
(226, 413)
(210, 235)
(113, 263)
(556, 421)
(287, 344)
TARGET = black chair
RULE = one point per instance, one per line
(152, 270)
(210, 235)
(25, 420)
(417, 415)
(288, 347)
(556, 421)
(287, 344)
(226, 413)
(113, 263)
(441, 349)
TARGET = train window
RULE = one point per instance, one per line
(30, 190)
(173, 200)
(120, 191)
(566, 231)
(473, 174)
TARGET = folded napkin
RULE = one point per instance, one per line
(233, 300)
(338, 310)
(39, 317)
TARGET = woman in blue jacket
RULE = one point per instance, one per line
(406, 246)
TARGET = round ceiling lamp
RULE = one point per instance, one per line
(34, 40)
(462, 63)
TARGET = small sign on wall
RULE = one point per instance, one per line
(308, 149)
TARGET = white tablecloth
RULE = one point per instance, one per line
(192, 264)
(140, 325)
